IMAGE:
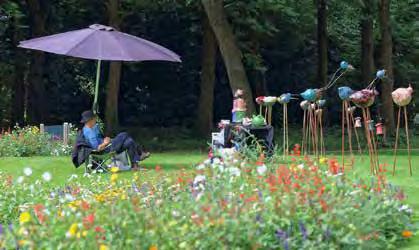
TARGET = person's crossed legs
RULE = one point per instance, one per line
(123, 142)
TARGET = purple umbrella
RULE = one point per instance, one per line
(101, 42)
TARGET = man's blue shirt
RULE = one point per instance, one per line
(93, 136)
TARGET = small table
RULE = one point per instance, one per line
(263, 134)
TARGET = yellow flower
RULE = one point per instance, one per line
(114, 177)
(22, 242)
(114, 169)
(153, 247)
(407, 234)
(103, 247)
(73, 229)
(323, 160)
(24, 217)
(60, 213)
(84, 233)
(74, 204)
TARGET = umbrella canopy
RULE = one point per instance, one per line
(101, 42)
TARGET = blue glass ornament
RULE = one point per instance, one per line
(284, 98)
(344, 65)
(381, 74)
(321, 103)
(345, 93)
(310, 95)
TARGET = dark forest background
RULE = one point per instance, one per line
(267, 47)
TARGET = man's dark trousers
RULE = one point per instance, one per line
(124, 142)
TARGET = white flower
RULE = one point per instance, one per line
(406, 208)
(175, 213)
(199, 179)
(20, 179)
(73, 176)
(301, 166)
(261, 169)
(355, 192)
(27, 171)
(46, 176)
(216, 161)
(234, 171)
(207, 162)
(69, 197)
(200, 167)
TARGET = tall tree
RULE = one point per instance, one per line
(367, 40)
(232, 56)
(37, 108)
(322, 41)
(111, 113)
(386, 62)
(18, 87)
(206, 97)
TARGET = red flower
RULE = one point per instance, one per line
(89, 220)
(39, 212)
(251, 199)
(323, 205)
(158, 168)
(98, 229)
(85, 206)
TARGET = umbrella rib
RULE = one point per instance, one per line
(155, 47)
(79, 43)
(122, 49)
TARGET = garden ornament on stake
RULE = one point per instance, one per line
(314, 95)
(269, 102)
(402, 97)
(351, 111)
(319, 117)
(284, 99)
(364, 99)
(260, 102)
(304, 106)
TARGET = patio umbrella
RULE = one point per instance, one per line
(100, 43)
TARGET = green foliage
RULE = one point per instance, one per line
(277, 39)
(28, 141)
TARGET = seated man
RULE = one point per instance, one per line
(90, 138)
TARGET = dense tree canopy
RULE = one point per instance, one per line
(278, 45)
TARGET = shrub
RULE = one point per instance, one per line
(29, 141)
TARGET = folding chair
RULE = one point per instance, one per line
(102, 161)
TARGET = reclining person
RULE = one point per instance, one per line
(91, 139)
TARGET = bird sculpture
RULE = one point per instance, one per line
(402, 97)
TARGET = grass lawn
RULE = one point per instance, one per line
(61, 168)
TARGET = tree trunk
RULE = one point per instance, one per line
(206, 98)
(37, 108)
(111, 113)
(367, 42)
(230, 51)
(18, 85)
(386, 60)
(322, 42)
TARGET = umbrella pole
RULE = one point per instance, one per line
(95, 105)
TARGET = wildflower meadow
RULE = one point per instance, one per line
(225, 202)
